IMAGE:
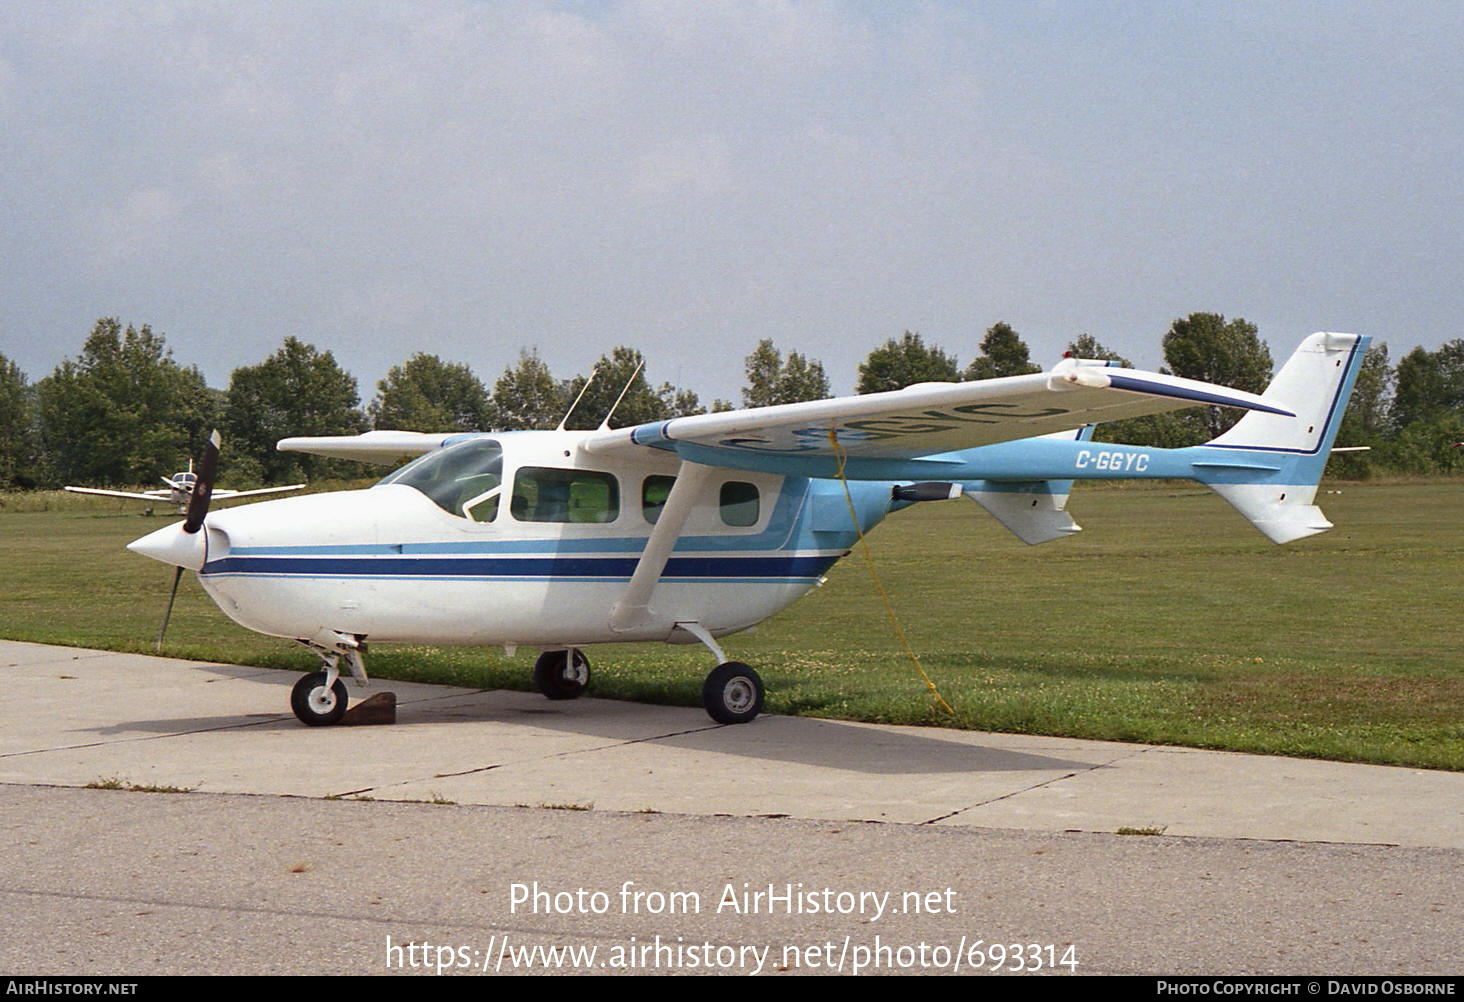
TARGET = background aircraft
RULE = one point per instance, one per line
(180, 490)
(688, 530)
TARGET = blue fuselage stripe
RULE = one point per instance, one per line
(582, 568)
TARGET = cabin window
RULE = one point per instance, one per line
(463, 480)
(654, 492)
(739, 502)
(541, 494)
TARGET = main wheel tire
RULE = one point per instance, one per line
(317, 705)
(732, 693)
(559, 676)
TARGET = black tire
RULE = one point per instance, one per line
(732, 693)
(316, 705)
(559, 677)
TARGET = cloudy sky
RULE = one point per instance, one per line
(473, 178)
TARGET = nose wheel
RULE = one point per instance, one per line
(320, 699)
(317, 702)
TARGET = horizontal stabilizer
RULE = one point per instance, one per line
(1032, 516)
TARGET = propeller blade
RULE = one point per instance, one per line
(203, 486)
(168, 612)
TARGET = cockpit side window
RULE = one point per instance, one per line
(542, 494)
(463, 480)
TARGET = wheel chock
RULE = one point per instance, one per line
(378, 709)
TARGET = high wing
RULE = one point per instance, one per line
(160, 494)
(924, 420)
(384, 447)
(222, 495)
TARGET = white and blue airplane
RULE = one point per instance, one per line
(691, 529)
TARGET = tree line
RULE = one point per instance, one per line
(125, 412)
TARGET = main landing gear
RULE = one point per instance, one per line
(732, 693)
(562, 674)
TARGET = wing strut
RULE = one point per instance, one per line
(633, 608)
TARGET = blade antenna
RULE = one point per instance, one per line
(605, 424)
(591, 379)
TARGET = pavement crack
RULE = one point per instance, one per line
(271, 718)
(563, 754)
(284, 912)
(996, 800)
(1037, 786)
(468, 772)
(623, 743)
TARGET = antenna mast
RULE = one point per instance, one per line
(593, 373)
(605, 424)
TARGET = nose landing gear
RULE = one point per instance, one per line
(320, 699)
(317, 701)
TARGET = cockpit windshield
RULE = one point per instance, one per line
(463, 480)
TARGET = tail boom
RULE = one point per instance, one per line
(1267, 466)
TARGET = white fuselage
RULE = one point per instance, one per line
(392, 564)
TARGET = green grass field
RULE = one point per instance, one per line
(1168, 620)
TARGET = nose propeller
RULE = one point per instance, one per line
(193, 521)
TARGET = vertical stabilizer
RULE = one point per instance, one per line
(1268, 465)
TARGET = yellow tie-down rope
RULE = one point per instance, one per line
(840, 455)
